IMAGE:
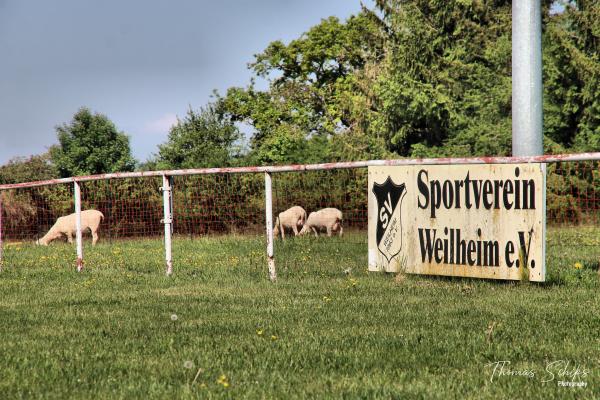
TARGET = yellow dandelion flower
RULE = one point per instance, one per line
(259, 332)
(273, 337)
(578, 265)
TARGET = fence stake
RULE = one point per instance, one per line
(166, 189)
(171, 185)
(269, 215)
(77, 193)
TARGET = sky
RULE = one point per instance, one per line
(141, 63)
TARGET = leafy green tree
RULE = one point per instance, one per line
(201, 139)
(22, 169)
(418, 78)
(151, 164)
(313, 91)
(572, 76)
(91, 144)
(445, 84)
(22, 206)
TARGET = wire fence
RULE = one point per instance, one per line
(217, 202)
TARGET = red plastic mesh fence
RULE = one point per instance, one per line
(132, 207)
(235, 203)
(573, 193)
(219, 204)
(344, 189)
(28, 213)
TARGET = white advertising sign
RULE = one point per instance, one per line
(483, 221)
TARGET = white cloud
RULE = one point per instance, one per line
(162, 124)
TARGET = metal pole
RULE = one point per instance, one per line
(166, 189)
(527, 118)
(171, 185)
(77, 193)
(269, 217)
(527, 90)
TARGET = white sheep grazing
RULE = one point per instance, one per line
(292, 218)
(329, 219)
(66, 225)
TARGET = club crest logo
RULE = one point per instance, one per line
(389, 223)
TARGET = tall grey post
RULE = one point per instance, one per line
(527, 91)
(527, 78)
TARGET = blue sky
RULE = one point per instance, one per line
(141, 63)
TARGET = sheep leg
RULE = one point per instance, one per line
(282, 229)
(295, 229)
(337, 227)
(70, 237)
(329, 229)
(315, 231)
(94, 237)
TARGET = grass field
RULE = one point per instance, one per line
(219, 329)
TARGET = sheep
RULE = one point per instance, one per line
(329, 219)
(292, 218)
(66, 225)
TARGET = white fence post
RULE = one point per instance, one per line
(269, 217)
(77, 193)
(168, 221)
(171, 202)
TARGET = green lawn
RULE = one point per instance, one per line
(110, 332)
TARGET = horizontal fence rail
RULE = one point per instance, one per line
(316, 167)
(190, 203)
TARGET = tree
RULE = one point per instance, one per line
(201, 139)
(22, 206)
(313, 91)
(418, 78)
(572, 77)
(444, 87)
(91, 144)
(21, 169)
